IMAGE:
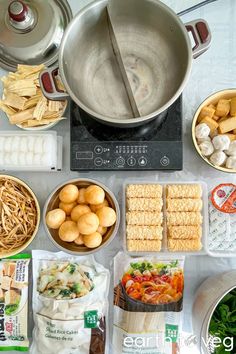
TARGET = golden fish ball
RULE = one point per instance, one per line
(69, 194)
(94, 194)
(102, 230)
(93, 240)
(88, 223)
(79, 240)
(67, 207)
(95, 207)
(81, 197)
(55, 218)
(78, 211)
(68, 231)
(106, 216)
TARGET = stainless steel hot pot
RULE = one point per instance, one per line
(156, 50)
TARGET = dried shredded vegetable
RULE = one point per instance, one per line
(18, 215)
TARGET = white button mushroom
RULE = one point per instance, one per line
(221, 142)
(218, 158)
(202, 131)
(231, 162)
(232, 149)
(206, 148)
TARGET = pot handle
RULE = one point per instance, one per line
(201, 36)
(49, 85)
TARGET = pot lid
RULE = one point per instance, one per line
(31, 31)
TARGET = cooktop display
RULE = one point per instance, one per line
(156, 145)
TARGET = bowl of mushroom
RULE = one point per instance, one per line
(214, 130)
(81, 216)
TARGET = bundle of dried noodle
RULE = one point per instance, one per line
(18, 215)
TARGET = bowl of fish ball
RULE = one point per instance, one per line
(214, 130)
(81, 216)
(20, 216)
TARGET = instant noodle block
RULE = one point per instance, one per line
(148, 299)
(176, 227)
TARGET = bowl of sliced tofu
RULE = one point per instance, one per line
(214, 130)
(24, 103)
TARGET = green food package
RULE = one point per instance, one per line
(14, 303)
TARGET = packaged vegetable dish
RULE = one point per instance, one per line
(148, 298)
(69, 304)
(14, 303)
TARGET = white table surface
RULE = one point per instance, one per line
(214, 70)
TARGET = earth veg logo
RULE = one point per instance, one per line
(138, 343)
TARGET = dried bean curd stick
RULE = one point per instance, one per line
(18, 215)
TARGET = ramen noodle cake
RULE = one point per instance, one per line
(184, 218)
(148, 299)
(14, 303)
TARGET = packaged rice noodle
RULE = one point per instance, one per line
(14, 303)
(70, 304)
(148, 299)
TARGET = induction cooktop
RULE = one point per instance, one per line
(156, 145)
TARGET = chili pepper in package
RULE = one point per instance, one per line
(148, 299)
(70, 304)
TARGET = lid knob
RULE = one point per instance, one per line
(18, 11)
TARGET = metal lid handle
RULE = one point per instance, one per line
(18, 11)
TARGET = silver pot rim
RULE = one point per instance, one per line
(130, 120)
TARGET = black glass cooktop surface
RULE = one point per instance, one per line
(156, 145)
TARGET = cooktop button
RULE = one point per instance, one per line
(165, 161)
(142, 161)
(98, 161)
(98, 149)
(120, 161)
(131, 161)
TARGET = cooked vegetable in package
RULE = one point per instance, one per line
(70, 304)
(14, 303)
(148, 299)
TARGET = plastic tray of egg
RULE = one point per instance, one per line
(34, 151)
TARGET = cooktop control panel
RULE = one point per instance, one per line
(117, 156)
(156, 145)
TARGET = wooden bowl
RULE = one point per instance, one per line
(212, 99)
(26, 244)
(70, 247)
